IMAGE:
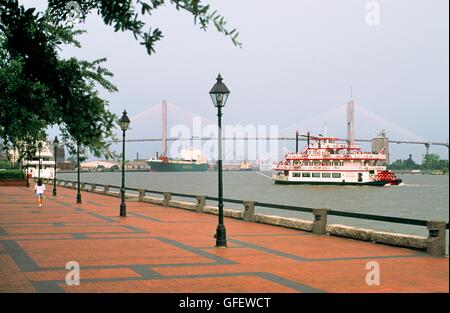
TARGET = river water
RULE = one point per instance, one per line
(421, 196)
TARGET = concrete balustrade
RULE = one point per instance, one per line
(434, 244)
(201, 202)
(288, 222)
(152, 200)
(226, 211)
(183, 205)
(167, 198)
(320, 221)
(141, 194)
(436, 241)
(249, 211)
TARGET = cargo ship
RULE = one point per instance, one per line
(191, 160)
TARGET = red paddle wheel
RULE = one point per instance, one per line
(388, 177)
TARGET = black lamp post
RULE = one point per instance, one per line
(124, 122)
(219, 95)
(39, 155)
(28, 182)
(55, 146)
(78, 173)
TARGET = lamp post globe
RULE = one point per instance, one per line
(55, 147)
(124, 122)
(219, 95)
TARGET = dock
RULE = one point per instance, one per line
(157, 248)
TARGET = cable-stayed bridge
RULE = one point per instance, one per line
(149, 121)
(426, 143)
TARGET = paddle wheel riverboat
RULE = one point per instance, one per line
(325, 161)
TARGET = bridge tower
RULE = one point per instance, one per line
(164, 128)
(350, 122)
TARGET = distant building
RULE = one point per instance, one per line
(60, 153)
(380, 144)
(60, 158)
(42, 164)
(65, 166)
(3, 153)
(13, 155)
(137, 165)
(98, 164)
(47, 155)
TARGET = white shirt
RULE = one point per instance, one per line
(39, 189)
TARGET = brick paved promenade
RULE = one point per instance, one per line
(160, 249)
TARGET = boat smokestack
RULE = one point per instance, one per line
(350, 122)
(164, 128)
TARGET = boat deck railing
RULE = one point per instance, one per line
(326, 167)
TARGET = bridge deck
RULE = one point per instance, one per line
(161, 249)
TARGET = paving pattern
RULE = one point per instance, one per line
(162, 249)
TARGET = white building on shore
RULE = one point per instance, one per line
(98, 163)
(43, 157)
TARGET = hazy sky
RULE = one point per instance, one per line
(298, 60)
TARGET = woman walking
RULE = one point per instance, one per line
(39, 188)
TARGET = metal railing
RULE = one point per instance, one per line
(365, 216)
(435, 243)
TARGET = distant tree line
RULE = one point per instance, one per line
(430, 162)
